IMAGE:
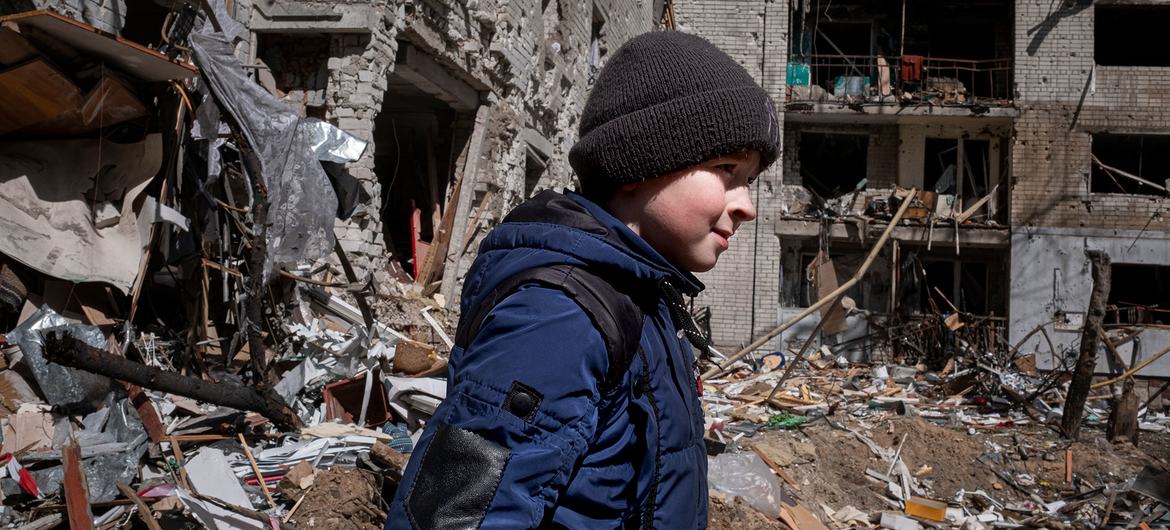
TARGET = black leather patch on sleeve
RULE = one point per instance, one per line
(456, 480)
(523, 401)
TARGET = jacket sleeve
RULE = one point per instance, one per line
(520, 411)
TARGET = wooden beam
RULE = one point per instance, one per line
(76, 489)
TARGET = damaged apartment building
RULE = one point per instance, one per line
(440, 89)
(881, 98)
(1031, 130)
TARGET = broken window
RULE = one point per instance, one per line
(1131, 35)
(1130, 163)
(964, 183)
(1140, 294)
(844, 266)
(832, 164)
(962, 283)
(296, 69)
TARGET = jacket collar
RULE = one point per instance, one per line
(599, 238)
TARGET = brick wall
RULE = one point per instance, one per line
(1063, 98)
(538, 73)
(747, 278)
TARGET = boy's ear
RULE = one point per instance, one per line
(626, 188)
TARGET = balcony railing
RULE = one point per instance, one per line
(905, 79)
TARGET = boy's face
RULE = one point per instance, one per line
(688, 216)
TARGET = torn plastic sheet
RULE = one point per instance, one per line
(231, 28)
(14, 470)
(60, 385)
(302, 204)
(332, 144)
(745, 475)
(103, 471)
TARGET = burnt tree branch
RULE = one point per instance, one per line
(68, 351)
(254, 301)
(1078, 389)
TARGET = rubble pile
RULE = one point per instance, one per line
(185, 344)
(829, 443)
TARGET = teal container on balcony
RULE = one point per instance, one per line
(850, 85)
(798, 74)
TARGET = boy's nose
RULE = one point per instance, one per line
(739, 205)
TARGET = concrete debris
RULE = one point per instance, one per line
(902, 446)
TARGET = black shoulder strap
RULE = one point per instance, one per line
(614, 313)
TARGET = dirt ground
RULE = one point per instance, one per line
(732, 514)
(342, 498)
(829, 464)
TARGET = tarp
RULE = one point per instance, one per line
(302, 204)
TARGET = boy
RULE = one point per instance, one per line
(572, 398)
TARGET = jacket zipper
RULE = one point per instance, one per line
(648, 390)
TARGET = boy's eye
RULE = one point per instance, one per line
(729, 168)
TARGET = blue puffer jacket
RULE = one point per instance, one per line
(585, 456)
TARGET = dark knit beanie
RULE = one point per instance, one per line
(667, 101)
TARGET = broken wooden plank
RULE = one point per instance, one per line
(351, 277)
(433, 264)
(1123, 416)
(144, 512)
(35, 92)
(975, 207)
(256, 469)
(775, 467)
(76, 489)
(146, 413)
(14, 48)
(110, 102)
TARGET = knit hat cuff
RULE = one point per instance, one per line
(678, 134)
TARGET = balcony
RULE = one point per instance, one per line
(858, 81)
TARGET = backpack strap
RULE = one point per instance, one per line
(614, 313)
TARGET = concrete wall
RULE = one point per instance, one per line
(746, 281)
(1050, 274)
